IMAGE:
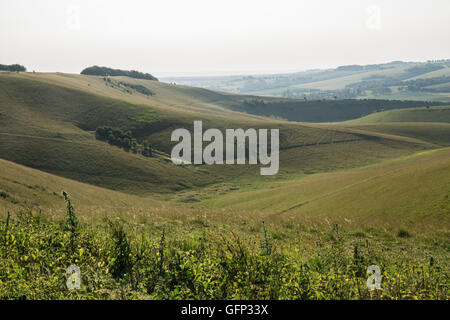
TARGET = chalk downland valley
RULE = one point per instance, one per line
(360, 182)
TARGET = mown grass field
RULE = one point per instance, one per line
(427, 124)
(434, 114)
(348, 195)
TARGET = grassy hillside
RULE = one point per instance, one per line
(23, 187)
(407, 192)
(412, 191)
(185, 101)
(435, 114)
(348, 195)
(276, 84)
(428, 124)
(342, 82)
(50, 128)
(48, 120)
(426, 81)
(309, 238)
(436, 133)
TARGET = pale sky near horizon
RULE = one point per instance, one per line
(206, 37)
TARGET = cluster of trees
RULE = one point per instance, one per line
(370, 67)
(12, 67)
(105, 71)
(421, 84)
(124, 140)
(307, 93)
(354, 67)
(374, 83)
(421, 69)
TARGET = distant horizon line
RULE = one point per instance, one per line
(273, 71)
(237, 73)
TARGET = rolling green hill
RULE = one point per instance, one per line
(435, 114)
(48, 123)
(348, 195)
(396, 80)
(436, 133)
(428, 124)
(21, 187)
(49, 128)
(412, 191)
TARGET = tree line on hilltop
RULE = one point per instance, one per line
(105, 71)
(12, 67)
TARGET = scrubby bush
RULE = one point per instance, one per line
(403, 234)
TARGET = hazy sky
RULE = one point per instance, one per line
(179, 37)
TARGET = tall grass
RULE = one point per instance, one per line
(120, 262)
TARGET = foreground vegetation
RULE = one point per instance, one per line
(203, 260)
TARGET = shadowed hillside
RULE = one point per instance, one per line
(48, 123)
